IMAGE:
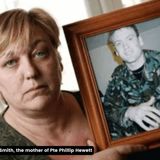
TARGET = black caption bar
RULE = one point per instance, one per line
(46, 150)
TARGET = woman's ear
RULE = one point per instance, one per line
(141, 42)
(60, 61)
(3, 103)
(61, 65)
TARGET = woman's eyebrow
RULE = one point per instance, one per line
(36, 42)
(7, 54)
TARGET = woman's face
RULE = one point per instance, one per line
(30, 77)
(127, 44)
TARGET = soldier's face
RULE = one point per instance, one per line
(127, 44)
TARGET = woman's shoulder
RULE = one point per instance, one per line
(10, 137)
(5, 132)
(77, 96)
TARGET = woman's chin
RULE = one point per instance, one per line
(38, 103)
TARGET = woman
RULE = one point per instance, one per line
(39, 113)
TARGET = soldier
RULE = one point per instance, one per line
(132, 97)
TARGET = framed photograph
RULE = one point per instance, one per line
(94, 62)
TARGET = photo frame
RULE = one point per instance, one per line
(87, 40)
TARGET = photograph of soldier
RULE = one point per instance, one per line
(132, 97)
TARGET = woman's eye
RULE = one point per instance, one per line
(10, 63)
(40, 54)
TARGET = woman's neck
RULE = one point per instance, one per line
(60, 127)
(49, 123)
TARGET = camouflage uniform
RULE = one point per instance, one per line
(126, 90)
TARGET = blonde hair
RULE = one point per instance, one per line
(16, 27)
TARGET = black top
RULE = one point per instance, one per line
(11, 137)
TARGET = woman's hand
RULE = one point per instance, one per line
(145, 115)
(115, 153)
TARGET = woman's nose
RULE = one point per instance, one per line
(29, 69)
